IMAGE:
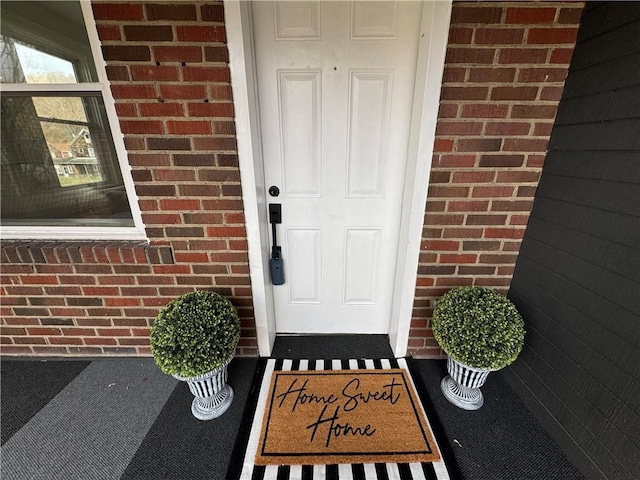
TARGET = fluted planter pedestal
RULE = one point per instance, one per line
(212, 394)
(462, 386)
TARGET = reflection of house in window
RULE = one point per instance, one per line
(76, 162)
(83, 169)
(81, 143)
(59, 150)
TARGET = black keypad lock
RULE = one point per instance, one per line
(276, 265)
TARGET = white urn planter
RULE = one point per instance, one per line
(462, 386)
(193, 339)
(482, 328)
(213, 396)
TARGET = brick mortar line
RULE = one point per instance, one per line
(165, 22)
(498, 103)
(152, 60)
(516, 84)
(173, 83)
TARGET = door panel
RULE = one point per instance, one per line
(369, 105)
(361, 259)
(300, 130)
(303, 251)
(335, 84)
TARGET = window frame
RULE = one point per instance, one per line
(99, 88)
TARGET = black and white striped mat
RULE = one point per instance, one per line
(242, 467)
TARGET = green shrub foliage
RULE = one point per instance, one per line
(195, 334)
(478, 327)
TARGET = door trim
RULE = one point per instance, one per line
(431, 55)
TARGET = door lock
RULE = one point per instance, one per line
(274, 191)
(276, 265)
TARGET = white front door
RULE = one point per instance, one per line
(335, 85)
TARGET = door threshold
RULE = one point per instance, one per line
(330, 346)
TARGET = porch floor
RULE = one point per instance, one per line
(121, 418)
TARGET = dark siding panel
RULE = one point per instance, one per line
(621, 166)
(607, 16)
(569, 413)
(600, 223)
(532, 385)
(615, 257)
(602, 136)
(587, 325)
(614, 105)
(582, 413)
(612, 316)
(602, 48)
(577, 280)
(590, 277)
(620, 197)
(603, 77)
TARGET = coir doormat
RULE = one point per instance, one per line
(338, 419)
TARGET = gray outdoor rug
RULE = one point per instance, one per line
(121, 418)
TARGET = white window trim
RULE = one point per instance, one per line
(51, 42)
(137, 232)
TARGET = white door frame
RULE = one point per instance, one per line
(430, 65)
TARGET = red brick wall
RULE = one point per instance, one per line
(504, 74)
(170, 79)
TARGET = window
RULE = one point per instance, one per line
(64, 173)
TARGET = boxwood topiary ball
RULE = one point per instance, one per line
(478, 327)
(195, 334)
